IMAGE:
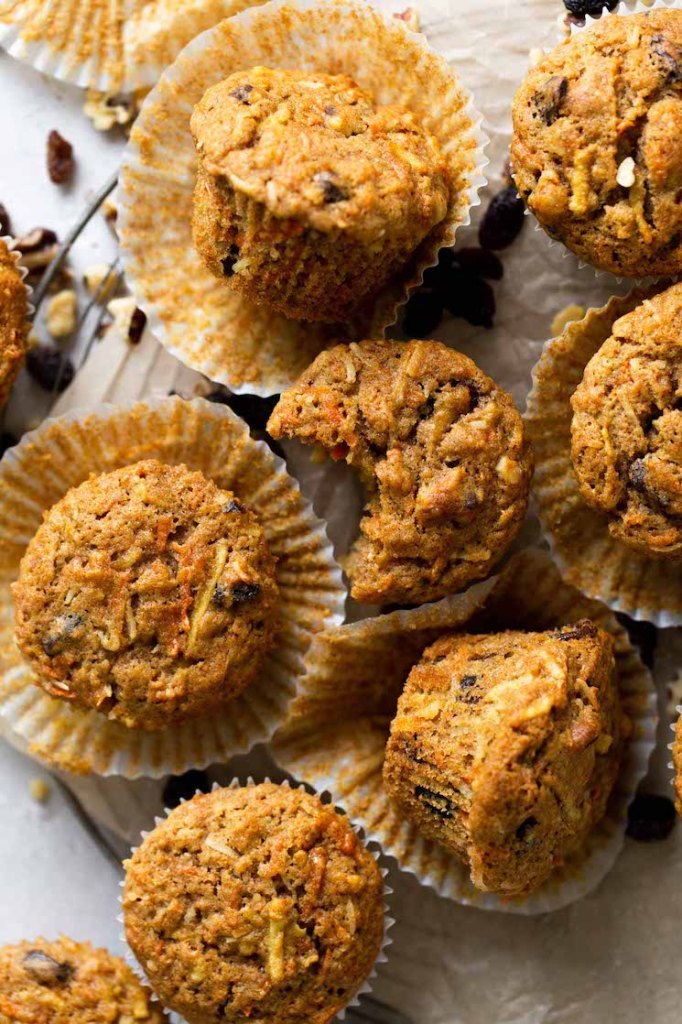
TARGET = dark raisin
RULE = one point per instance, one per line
(138, 322)
(467, 681)
(5, 221)
(580, 631)
(330, 109)
(670, 56)
(549, 98)
(651, 818)
(233, 506)
(50, 368)
(471, 299)
(242, 592)
(470, 502)
(242, 93)
(479, 262)
(45, 969)
(503, 220)
(34, 241)
(592, 7)
(65, 627)
(332, 190)
(229, 261)
(525, 828)
(59, 158)
(637, 473)
(436, 802)
(423, 313)
(219, 595)
(643, 635)
(184, 787)
(7, 441)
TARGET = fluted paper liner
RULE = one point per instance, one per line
(106, 45)
(588, 557)
(336, 734)
(210, 438)
(195, 315)
(326, 798)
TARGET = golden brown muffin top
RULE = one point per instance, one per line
(314, 147)
(67, 982)
(597, 146)
(626, 432)
(147, 594)
(13, 322)
(440, 449)
(257, 902)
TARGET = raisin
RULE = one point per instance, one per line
(479, 262)
(549, 99)
(467, 681)
(60, 160)
(423, 313)
(330, 109)
(45, 969)
(50, 368)
(503, 220)
(5, 221)
(435, 802)
(229, 261)
(184, 787)
(592, 7)
(637, 474)
(471, 299)
(7, 441)
(233, 506)
(332, 191)
(66, 625)
(242, 592)
(643, 635)
(138, 322)
(651, 818)
(242, 93)
(219, 595)
(670, 57)
(525, 828)
(580, 631)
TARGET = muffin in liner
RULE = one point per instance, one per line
(64, 452)
(9, 368)
(337, 730)
(109, 47)
(326, 798)
(195, 315)
(588, 557)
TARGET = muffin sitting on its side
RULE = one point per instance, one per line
(67, 982)
(147, 594)
(13, 322)
(440, 449)
(308, 197)
(255, 903)
(505, 749)
(626, 432)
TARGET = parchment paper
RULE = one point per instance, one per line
(614, 955)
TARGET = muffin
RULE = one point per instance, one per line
(309, 198)
(597, 143)
(505, 749)
(13, 322)
(254, 903)
(440, 450)
(626, 431)
(67, 982)
(148, 594)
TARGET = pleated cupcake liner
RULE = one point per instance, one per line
(588, 557)
(209, 327)
(336, 733)
(206, 437)
(113, 46)
(326, 798)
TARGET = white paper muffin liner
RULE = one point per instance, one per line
(61, 454)
(196, 316)
(588, 557)
(336, 734)
(326, 798)
(110, 47)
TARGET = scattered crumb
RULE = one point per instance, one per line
(110, 211)
(60, 318)
(565, 317)
(40, 790)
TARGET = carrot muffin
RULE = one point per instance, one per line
(147, 594)
(308, 197)
(597, 145)
(67, 982)
(626, 431)
(505, 749)
(440, 449)
(13, 322)
(254, 903)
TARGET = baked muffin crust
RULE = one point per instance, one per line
(147, 594)
(626, 432)
(597, 144)
(505, 749)
(254, 903)
(440, 449)
(13, 322)
(308, 197)
(67, 982)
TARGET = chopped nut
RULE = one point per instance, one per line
(106, 111)
(39, 790)
(59, 158)
(508, 470)
(566, 316)
(411, 18)
(626, 173)
(128, 319)
(61, 314)
(100, 280)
